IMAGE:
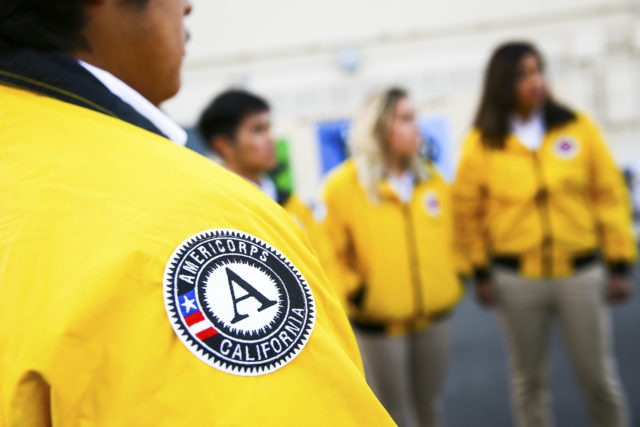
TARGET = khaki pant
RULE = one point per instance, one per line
(407, 373)
(527, 309)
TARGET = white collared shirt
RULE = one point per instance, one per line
(403, 185)
(530, 132)
(139, 103)
(268, 187)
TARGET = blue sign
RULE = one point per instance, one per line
(332, 137)
(438, 146)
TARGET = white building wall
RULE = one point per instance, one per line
(288, 51)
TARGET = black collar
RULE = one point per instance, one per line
(283, 197)
(60, 76)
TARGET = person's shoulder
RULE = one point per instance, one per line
(295, 201)
(301, 211)
(136, 168)
(584, 119)
(342, 176)
(473, 136)
(434, 179)
(434, 173)
(472, 141)
(583, 127)
(294, 204)
(207, 189)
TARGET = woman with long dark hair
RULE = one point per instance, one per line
(544, 219)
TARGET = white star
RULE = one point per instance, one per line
(188, 304)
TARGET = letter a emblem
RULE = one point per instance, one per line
(246, 310)
(251, 293)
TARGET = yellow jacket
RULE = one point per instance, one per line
(394, 260)
(113, 294)
(301, 213)
(546, 208)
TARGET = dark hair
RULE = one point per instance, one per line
(499, 98)
(227, 111)
(44, 24)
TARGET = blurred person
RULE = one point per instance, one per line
(139, 283)
(631, 181)
(236, 125)
(388, 219)
(538, 202)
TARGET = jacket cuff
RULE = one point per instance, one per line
(619, 268)
(481, 274)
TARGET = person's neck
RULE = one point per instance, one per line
(88, 57)
(251, 176)
(396, 167)
(525, 114)
(117, 70)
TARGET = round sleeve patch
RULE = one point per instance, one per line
(237, 303)
(566, 148)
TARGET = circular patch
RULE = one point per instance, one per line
(237, 303)
(566, 148)
(432, 203)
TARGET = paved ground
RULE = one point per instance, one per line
(477, 392)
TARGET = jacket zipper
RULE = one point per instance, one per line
(542, 201)
(413, 260)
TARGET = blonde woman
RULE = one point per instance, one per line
(388, 221)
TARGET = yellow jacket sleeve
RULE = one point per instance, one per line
(611, 202)
(469, 202)
(118, 283)
(305, 215)
(339, 250)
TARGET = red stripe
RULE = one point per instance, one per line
(194, 318)
(207, 333)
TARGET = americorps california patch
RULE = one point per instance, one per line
(238, 303)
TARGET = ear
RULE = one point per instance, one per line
(222, 146)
